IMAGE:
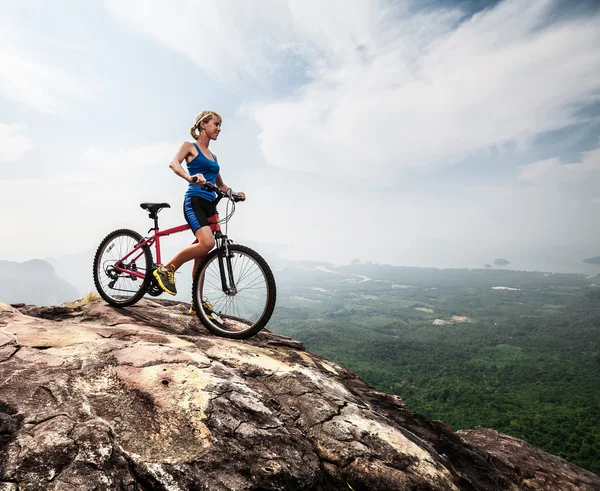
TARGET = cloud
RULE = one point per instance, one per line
(383, 84)
(579, 181)
(434, 93)
(537, 170)
(132, 159)
(13, 144)
(25, 79)
(549, 203)
(229, 40)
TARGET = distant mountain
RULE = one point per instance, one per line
(501, 262)
(33, 282)
(592, 260)
(76, 269)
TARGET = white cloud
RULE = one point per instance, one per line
(26, 79)
(229, 40)
(386, 86)
(551, 204)
(579, 181)
(131, 159)
(536, 170)
(432, 94)
(13, 143)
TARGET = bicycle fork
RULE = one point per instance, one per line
(226, 268)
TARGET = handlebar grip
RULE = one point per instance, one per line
(211, 187)
(207, 185)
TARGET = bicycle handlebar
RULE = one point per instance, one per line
(209, 186)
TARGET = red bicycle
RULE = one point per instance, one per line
(233, 290)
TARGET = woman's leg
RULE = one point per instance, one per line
(205, 242)
(197, 212)
(165, 274)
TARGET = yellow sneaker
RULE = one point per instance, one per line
(206, 305)
(166, 279)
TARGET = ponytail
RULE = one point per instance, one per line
(203, 117)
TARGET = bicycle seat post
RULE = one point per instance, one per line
(153, 209)
(154, 215)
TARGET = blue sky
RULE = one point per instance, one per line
(417, 133)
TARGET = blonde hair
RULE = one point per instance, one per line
(203, 117)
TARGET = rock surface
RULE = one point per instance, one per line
(143, 398)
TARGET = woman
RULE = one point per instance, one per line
(198, 207)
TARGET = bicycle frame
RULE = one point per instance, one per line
(153, 240)
(221, 242)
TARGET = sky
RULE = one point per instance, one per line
(431, 133)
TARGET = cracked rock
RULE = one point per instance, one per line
(143, 398)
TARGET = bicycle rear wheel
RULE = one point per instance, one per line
(244, 312)
(116, 287)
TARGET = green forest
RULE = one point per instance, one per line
(515, 351)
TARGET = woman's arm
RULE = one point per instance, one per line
(224, 187)
(180, 156)
(220, 184)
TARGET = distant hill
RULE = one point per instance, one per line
(76, 269)
(501, 262)
(33, 282)
(592, 260)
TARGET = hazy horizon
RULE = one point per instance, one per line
(430, 134)
(552, 262)
(557, 260)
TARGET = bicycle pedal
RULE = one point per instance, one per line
(213, 316)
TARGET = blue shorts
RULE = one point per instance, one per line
(199, 213)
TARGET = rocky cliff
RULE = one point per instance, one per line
(143, 398)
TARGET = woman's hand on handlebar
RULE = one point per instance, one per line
(198, 180)
(241, 196)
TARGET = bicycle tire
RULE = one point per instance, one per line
(101, 273)
(221, 320)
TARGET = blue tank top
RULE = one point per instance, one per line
(209, 169)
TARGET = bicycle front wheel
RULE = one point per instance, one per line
(122, 288)
(239, 312)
